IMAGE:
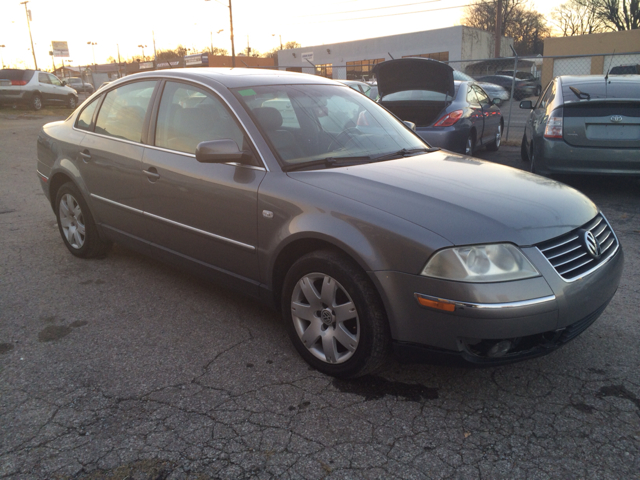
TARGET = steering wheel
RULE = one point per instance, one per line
(343, 138)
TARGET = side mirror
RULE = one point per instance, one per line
(409, 124)
(497, 101)
(526, 104)
(220, 151)
(64, 82)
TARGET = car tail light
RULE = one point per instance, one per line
(18, 82)
(449, 119)
(553, 128)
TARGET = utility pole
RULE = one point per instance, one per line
(233, 48)
(35, 62)
(498, 28)
(119, 74)
(153, 35)
(1, 57)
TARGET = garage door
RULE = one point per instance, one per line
(572, 66)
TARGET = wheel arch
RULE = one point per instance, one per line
(296, 249)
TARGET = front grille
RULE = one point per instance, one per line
(568, 254)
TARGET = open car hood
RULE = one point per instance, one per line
(414, 74)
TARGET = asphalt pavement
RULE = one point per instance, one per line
(124, 368)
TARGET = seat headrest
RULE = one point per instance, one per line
(268, 117)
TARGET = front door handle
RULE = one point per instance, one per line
(152, 174)
(86, 156)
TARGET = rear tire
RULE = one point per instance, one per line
(334, 315)
(470, 145)
(76, 225)
(36, 102)
(495, 145)
(524, 153)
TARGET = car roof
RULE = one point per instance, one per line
(237, 77)
(583, 79)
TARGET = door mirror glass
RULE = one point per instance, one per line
(497, 101)
(526, 104)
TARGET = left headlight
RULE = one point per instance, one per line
(498, 262)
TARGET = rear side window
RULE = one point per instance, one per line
(123, 111)
(85, 119)
(189, 115)
(17, 75)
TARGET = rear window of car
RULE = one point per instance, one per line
(419, 95)
(16, 74)
(601, 89)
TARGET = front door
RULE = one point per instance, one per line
(203, 212)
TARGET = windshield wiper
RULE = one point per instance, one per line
(579, 94)
(403, 153)
(328, 162)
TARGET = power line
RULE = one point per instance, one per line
(391, 14)
(367, 9)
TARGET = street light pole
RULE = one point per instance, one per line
(233, 48)
(93, 50)
(35, 62)
(142, 47)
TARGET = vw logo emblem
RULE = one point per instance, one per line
(592, 244)
(616, 118)
(326, 316)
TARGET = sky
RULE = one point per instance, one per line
(125, 24)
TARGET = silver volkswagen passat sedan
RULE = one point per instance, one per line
(304, 194)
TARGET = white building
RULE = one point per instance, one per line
(354, 60)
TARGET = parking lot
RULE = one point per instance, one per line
(126, 368)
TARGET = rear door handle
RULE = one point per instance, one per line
(152, 174)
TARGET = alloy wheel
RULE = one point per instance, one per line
(72, 221)
(325, 318)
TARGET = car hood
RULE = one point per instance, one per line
(463, 199)
(414, 74)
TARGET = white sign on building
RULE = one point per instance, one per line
(307, 57)
(60, 49)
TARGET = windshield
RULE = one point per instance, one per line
(311, 123)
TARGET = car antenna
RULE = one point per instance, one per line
(390, 56)
(606, 77)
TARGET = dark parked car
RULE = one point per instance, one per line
(625, 70)
(521, 89)
(585, 124)
(525, 76)
(79, 85)
(458, 116)
(491, 89)
(34, 89)
(365, 237)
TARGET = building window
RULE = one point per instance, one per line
(442, 56)
(361, 69)
(325, 70)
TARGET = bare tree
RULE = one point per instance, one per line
(527, 27)
(574, 18)
(617, 15)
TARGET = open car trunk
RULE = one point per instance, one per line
(422, 113)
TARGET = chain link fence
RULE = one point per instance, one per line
(496, 75)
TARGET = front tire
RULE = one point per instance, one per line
(334, 315)
(76, 225)
(72, 102)
(524, 153)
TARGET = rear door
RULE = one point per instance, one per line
(111, 154)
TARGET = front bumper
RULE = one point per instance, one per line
(532, 314)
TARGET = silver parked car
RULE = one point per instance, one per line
(587, 124)
(364, 236)
(34, 89)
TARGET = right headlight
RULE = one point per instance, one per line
(498, 262)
